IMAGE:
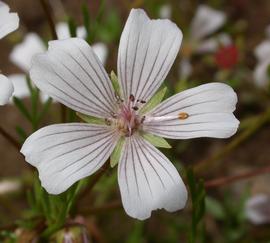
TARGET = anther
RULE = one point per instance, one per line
(135, 108)
(131, 98)
(143, 101)
(183, 115)
(143, 119)
(108, 122)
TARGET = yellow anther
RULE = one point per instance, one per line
(183, 115)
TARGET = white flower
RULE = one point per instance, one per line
(71, 73)
(8, 21)
(32, 45)
(262, 53)
(6, 89)
(205, 22)
(257, 209)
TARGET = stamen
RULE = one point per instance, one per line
(135, 108)
(131, 98)
(183, 115)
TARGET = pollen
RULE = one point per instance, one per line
(183, 115)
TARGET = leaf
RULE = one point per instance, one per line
(154, 101)
(22, 108)
(156, 140)
(115, 157)
(115, 84)
(72, 27)
(91, 119)
(214, 208)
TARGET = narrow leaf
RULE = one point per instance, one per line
(156, 140)
(154, 101)
(22, 108)
(91, 119)
(115, 157)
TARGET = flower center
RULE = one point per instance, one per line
(128, 119)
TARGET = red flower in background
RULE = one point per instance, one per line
(226, 57)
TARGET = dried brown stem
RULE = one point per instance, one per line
(11, 139)
(222, 181)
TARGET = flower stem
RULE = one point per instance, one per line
(214, 160)
(11, 139)
(232, 179)
(48, 12)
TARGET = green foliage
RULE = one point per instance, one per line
(197, 191)
(156, 140)
(115, 83)
(154, 101)
(91, 119)
(115, 157)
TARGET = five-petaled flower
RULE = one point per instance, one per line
(71, 73)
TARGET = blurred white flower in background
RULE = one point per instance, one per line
(6, 89)
(165, 12)
(257, 209)
(32, 45)
(71, 73)
(205, 22)
(9, 186)
(8, 23)
(262, 53)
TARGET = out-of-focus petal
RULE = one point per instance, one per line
(185, 68)
(71, 73)
(146, 53)
(66, 153)
(257, 209)
(63, 33)
(260, 74)
(21, 89)
(212, 44)
(148, 180)
(6, 89)
(101, 51)
(165, 12)
(23, 53)
(206, 21)
(8, 21)
(262, 51)
(204, 111)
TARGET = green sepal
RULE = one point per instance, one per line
(91, 119)
(154, 101)
(115, 84)
(156, 140)
(115, 156)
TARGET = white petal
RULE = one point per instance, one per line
(21, 89)
(206, 21)
(66, 153)
(146, 53)
(208, 108)
(257, 209)
(63, 33)
(185, 68)
(71, 73)
(148, 180)
(260, 73)
(8, 21)
(23, 53)
(6, 89)
(101, 51)
(212, 44)
(262, 51)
